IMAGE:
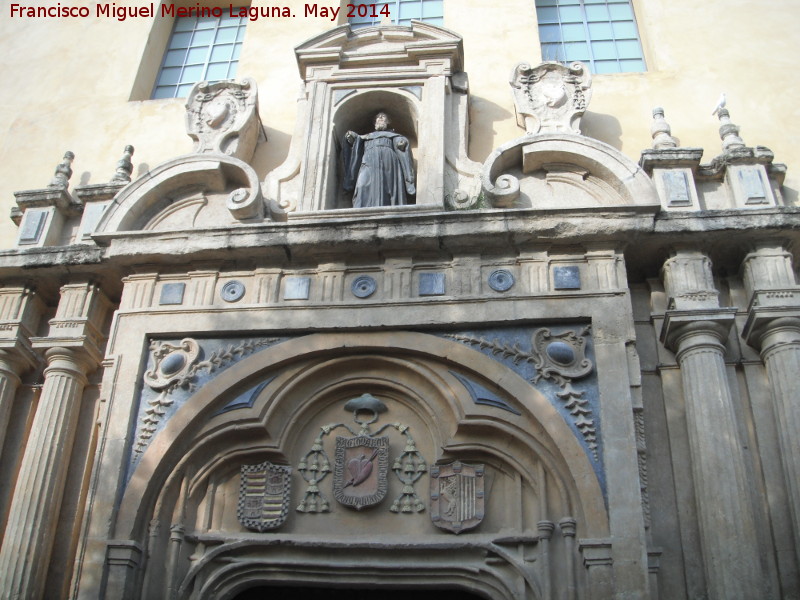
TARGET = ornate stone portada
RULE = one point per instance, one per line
(239, 380)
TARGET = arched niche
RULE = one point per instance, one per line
(410, 69)
(190, 191)
(558, 171)
(356, 112)
(180, 500)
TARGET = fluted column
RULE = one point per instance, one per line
(695, 328)
(29, 536)
(727, 522)
(780, 349)
(10, 371)
(773, 327)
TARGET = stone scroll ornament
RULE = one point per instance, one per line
(223, 118)
(361, 463)
(264, 496)
(457, 496)
(559, 358)
(177, 366)
(552, 97)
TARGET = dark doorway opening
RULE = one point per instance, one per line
(318, 593)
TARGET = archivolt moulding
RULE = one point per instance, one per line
(176, 180)
(564, 171)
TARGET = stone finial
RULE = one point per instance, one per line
(222, 118)
(728, 132)
(661, 131)
(124, 166)
(63, 171)
(551, 97)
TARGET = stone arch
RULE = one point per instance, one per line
(193, 463)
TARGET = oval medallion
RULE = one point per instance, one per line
(233, 291)
(501, 280)
(363, 286)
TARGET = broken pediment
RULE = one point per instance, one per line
(200, 190)
(561, 171)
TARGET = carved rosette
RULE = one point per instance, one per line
(223, 118)
(361, 464)
(457, 496)
(551, 97)
(264, 496)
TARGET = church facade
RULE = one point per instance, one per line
(428, 337)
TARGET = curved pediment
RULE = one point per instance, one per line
(564, 171)
(397, 46)
(186, 192)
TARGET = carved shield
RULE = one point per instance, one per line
(263, 496)
(457, 497)
(360, 470)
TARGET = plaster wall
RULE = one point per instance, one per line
(80, 85)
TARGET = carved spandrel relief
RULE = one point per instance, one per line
(361, 465)
(551, 97)
(264, 496)
(223, 118)
(457, 496)
(175, 370)
(556, 356)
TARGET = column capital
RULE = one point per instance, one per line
(768, 310)
(679, 325)
(82, 352)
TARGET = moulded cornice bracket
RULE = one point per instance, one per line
(668, 158)
(766, 307)
(59, 197)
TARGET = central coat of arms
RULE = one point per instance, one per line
(361, 463)
(360, 469)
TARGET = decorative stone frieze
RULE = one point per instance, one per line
(551, 97)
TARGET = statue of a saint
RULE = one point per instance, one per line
(378, 166)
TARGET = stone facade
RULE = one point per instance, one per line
(558, 373)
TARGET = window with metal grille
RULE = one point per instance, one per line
(200, 49)
(401, 11)
(600, 33)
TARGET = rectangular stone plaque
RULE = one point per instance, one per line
(431, 284)
(172, 293)
(677, 188)
(296, 288)
(753, 186)
(566, 278)
(32, 226)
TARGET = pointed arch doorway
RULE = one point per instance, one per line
(319, 593)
